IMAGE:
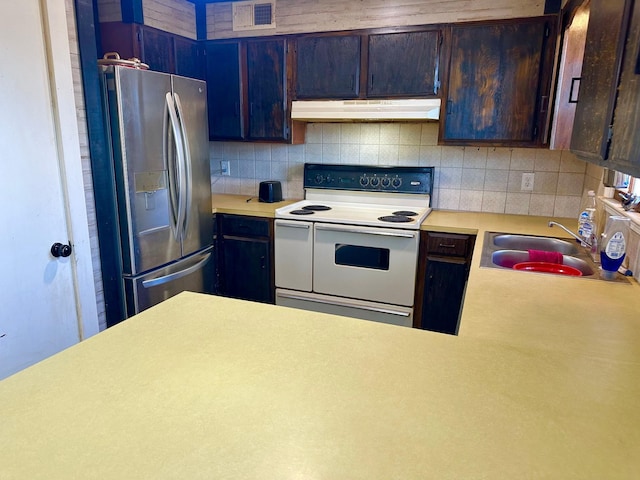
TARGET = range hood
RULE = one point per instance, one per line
(422, 109)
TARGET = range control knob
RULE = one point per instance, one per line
(385, 182)
(319, 178)
(364, 181)
(375, 181)
(396, 182)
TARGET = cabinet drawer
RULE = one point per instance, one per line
(239, 225)
(448, 244)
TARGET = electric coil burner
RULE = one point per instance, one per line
(395, 218)
(351, 246)
(302, 211)
(316, 208)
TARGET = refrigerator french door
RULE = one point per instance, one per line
(162, 188)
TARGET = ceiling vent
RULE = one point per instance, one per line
(254, 15)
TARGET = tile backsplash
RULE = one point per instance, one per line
(483, 179)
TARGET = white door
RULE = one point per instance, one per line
(46, 303)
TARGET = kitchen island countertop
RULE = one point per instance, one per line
(209, 387)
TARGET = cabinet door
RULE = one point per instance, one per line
(246, 267)
(443, 294)
(266, 90)
(188, 60)
(625, 150)
(328, 67)
(224, 91)
(157, 50)
(403, 64)
(498, 83)
(608, 20)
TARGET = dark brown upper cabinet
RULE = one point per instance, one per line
(499, 81)
(625, 149)
(403, 64)
(162, 51)
(606, 33)
(267, 90)
(224, 91)
(247, 88)
(328, 66)
(367, 64)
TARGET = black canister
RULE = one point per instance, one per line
(270, 191)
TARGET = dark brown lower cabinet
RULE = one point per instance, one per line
(443, 269)
(245, 246)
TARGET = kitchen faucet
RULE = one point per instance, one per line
(581, 240)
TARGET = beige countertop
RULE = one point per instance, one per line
(584, 316)
(542, 382)
(245, 205)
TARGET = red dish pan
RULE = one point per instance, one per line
(546, 267)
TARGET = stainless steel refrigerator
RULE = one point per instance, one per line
(161, 185)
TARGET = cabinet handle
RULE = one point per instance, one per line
(262, 262)
(446, 245)
(573, 88)
(449, 107)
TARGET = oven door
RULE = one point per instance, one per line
(365, 263)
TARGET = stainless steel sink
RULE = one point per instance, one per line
(504, 250)
(529, 242)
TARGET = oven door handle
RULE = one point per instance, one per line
(365, 231)
(335, 301)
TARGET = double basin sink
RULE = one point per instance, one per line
(504, 250)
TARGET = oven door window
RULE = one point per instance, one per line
(364, 257)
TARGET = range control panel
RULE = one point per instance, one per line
(369, 178)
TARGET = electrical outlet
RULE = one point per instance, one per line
(225, 168)
(527, 182)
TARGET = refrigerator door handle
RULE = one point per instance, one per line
(177, 169)
(167, 155)
(152, 282)
(187, 164)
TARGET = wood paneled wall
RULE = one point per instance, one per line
(174, 16)
(81, 114)
(109, 11)
(305, 16)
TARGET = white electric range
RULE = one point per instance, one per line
(351, 246)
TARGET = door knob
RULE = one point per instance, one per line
(60, 250)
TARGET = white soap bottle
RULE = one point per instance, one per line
(587, 220)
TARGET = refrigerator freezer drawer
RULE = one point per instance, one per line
(195, 273)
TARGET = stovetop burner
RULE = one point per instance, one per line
(405, 213)
(301, 212)
(395, 218)
(316, 208)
